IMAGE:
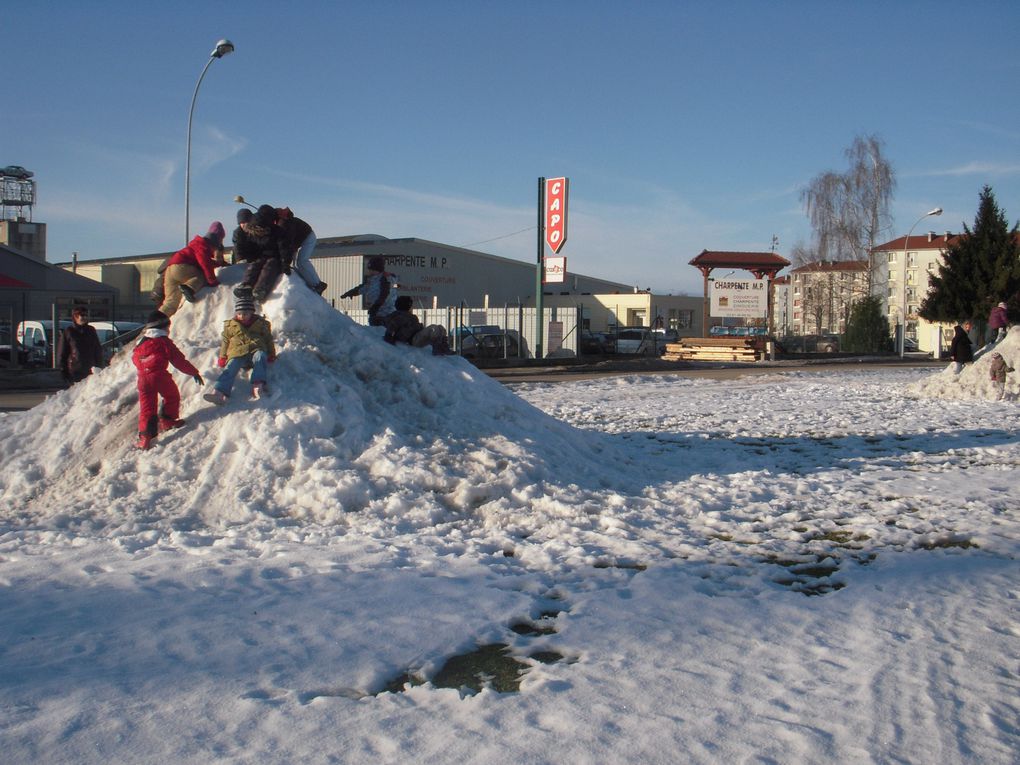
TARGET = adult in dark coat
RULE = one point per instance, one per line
(263, 245)
(960, 350)
(79, 349)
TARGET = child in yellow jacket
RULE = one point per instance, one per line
(247, 343)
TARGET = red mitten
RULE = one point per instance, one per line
(221, 361)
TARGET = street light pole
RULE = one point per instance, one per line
(903, 305)
(223, 47)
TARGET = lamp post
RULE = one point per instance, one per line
(223, 47)
(903, 306)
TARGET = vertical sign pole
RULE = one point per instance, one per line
(539, 317)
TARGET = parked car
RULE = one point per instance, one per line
(36, 337)
(645, 341)
(910, 344)
(491, 345)
(595, 343)
(810, 343)
(16, 171)
(116, 335)
(5, 350)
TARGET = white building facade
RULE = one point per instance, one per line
(902, 277)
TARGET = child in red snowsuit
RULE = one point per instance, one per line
(151, 357)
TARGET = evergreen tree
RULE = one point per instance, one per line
(867, 329)
(980, 269)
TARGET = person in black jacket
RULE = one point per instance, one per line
(263, 245)
(79, 349)
(960, 350)
(300, 243)
(402, 326)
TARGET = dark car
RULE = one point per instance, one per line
(810, 344)
(595, 343)
(16, 171)
(489, 346)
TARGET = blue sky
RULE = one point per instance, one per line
(682, 126)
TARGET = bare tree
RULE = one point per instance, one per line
(850, 211)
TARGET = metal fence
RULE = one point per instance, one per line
(515, 322)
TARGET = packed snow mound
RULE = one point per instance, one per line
(351, 424)
(974, 381)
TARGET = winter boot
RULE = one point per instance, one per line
(165, 423)
(319, 288)
(259, 390)
(215, 397)
(188, 293)
(144, 441)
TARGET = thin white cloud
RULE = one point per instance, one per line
(972, 168)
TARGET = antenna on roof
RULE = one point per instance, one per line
(775, 242)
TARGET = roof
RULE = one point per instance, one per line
(919, 242)
(758, 263)
(832, 265)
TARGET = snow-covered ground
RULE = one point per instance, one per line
(795, 567)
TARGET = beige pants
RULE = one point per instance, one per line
(175, 276)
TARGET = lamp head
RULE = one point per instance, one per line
(223, 47)
(936, 211)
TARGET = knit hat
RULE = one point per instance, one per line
(404, 303)
(996, 355)
(244, 303)
(156, 320)
(1002, 305)
(216, 230)
(377, 263)
(244, 215)
(265, 215)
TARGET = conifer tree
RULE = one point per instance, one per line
(980, 269)
(867, 330)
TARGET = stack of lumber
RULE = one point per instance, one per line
(716, 349)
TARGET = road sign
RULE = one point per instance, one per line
(555, 213)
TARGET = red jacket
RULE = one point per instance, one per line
(154, 354)
(198, 253)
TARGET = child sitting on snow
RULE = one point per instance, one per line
(403, 326)
(998, 370)
(247, 343)
(151, 357)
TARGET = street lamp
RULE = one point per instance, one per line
(903, 306)
(240, 200)
(223, 47)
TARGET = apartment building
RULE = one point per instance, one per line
(902, 277)
(822, 294)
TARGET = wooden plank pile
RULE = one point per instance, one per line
(716, 349)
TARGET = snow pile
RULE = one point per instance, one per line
(352, 424)
(974, 381)
(261, 585)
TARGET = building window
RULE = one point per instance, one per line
(892, 257)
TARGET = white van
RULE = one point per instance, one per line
(36, 336)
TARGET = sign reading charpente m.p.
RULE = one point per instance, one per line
(555, 213)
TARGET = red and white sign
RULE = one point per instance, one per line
(555, 213)
(555, 270)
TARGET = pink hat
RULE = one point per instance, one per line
(216, 230)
